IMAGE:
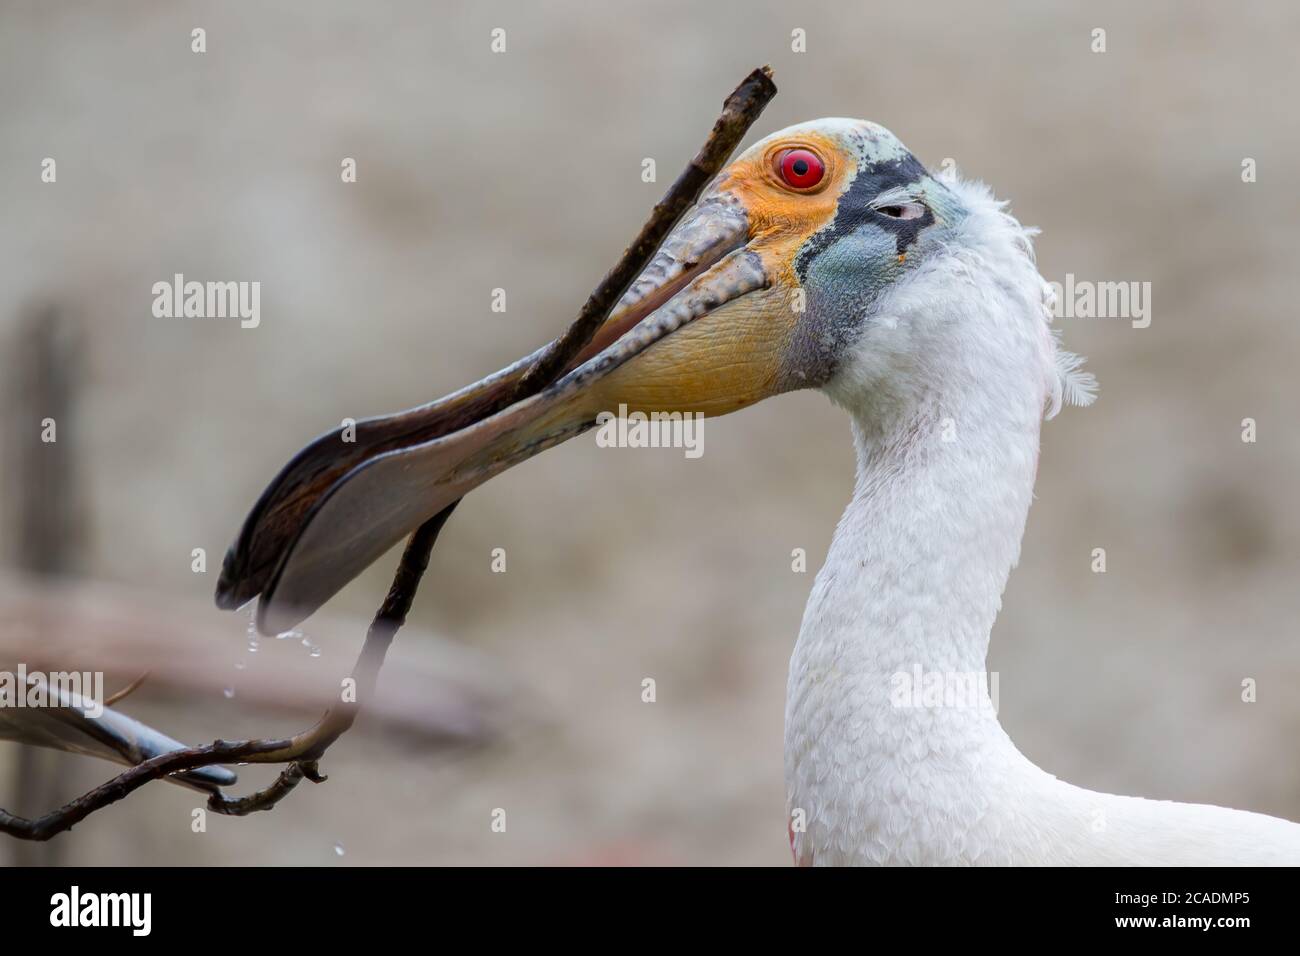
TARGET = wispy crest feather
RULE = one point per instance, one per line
(1070, 385)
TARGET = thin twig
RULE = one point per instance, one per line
(739, 111)
(268, 797)
(302, 751)
(126, 691)
(127, 782)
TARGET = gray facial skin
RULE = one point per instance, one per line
(845, 266)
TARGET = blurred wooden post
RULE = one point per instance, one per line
(47, 509)
(48, 503)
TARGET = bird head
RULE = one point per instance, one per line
(776, 270)
(825, 256)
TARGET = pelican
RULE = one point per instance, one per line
(825, 256)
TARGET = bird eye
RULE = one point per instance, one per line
(801, 168)
(902, 210)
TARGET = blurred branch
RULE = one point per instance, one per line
(303, 751)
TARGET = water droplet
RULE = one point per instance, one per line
(315, 652)
(288, 635)
(253, 645)
(228, 693)
(338, 849)
(240, 665)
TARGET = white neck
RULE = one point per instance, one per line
(947, 386)
(934, 529)
(910, 589)
(881, 771)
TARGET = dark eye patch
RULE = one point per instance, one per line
(855, 208)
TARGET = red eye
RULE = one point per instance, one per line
(801, 168)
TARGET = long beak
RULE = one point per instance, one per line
(700, 330)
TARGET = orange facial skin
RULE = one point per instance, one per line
(733, 357)
(781, 218)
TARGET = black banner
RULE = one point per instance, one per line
(335, 905)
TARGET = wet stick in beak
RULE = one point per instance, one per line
(388, 495)
(269, 549)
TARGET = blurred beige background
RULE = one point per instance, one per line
(522, 171)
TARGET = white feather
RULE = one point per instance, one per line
(947, 389)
